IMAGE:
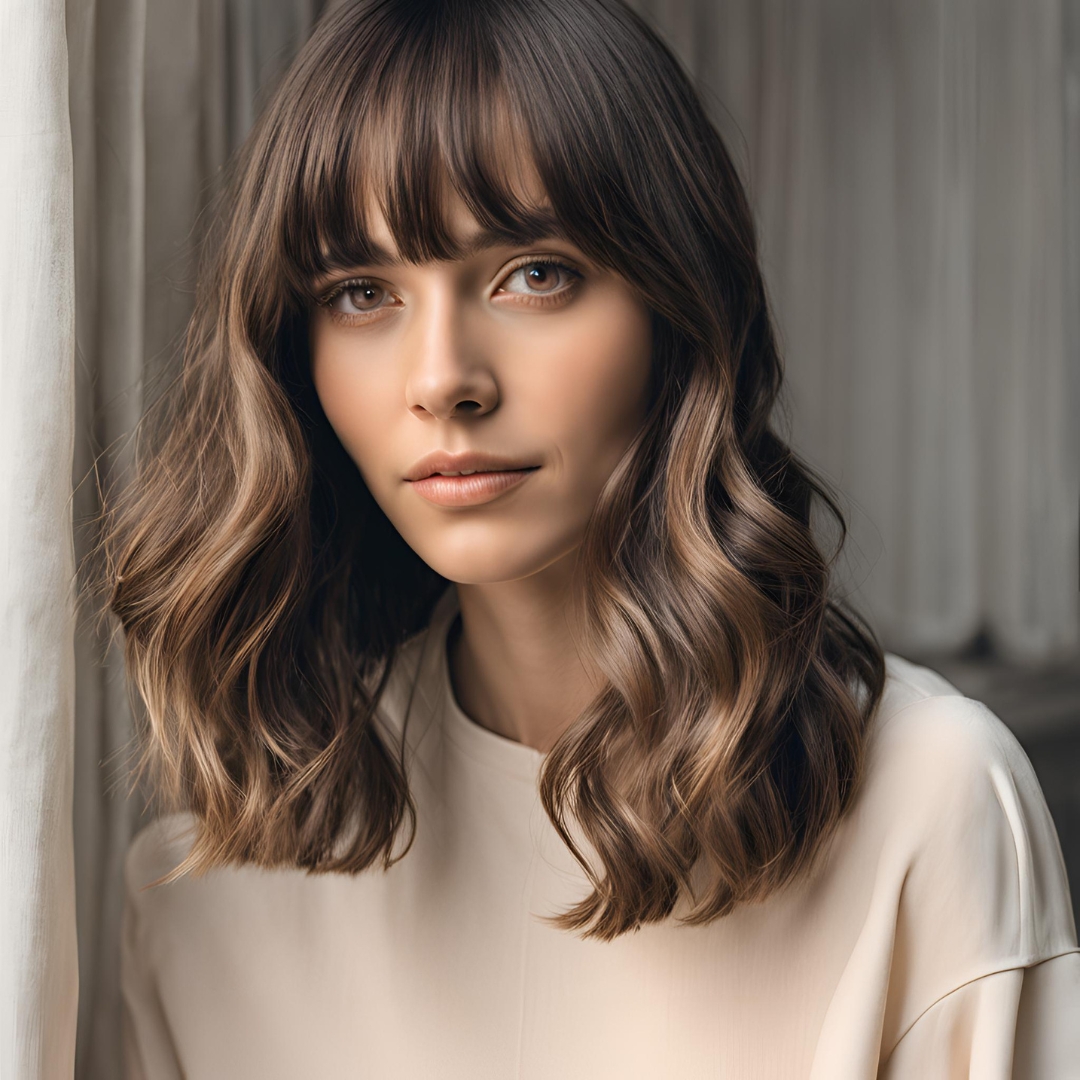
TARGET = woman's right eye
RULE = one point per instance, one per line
(357, 297)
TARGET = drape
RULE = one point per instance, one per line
(159, 94)
(914, 167)
(38, 963)
(915, 170)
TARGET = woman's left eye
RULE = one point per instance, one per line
(539, 278)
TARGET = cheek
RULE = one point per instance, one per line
(354, 397)
(593, 397)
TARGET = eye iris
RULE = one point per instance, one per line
(542, 275)
(363, 296)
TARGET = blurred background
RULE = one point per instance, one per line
(915, 170)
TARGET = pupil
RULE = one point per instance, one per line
(364, 293)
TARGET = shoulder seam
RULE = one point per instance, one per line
(969, 982)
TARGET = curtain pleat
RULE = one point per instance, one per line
(38, 959)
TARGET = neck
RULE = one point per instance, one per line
(514, 660)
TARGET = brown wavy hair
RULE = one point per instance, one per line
(264, 595)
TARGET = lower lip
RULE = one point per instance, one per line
(472, 490)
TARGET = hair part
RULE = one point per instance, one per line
(264, 595)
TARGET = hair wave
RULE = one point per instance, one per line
(264, 595)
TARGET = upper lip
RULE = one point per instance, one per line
(440, 461)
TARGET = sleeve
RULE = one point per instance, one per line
(981, 945)
(147, 1048)
(1017, 1024)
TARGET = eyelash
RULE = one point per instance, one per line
(539, 299)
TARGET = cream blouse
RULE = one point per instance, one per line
(935, 940)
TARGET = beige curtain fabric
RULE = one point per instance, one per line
(914, 166)
(38, 975)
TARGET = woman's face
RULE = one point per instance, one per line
(530, 357)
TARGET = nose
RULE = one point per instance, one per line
(448, 371)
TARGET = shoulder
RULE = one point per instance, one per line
(939, 740)
(204, 910)
(953, 819)
(157, 849)
(946, 762)
(953, 845)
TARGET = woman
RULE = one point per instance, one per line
(493, 683)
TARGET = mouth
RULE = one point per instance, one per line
(470, 488)
(480, 472)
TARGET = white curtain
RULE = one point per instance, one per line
(37, 672)
(914, 165)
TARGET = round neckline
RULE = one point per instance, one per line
(478, 742)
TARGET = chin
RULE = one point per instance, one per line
(487, 560)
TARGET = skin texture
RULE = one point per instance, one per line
(492, 353)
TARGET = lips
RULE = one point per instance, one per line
(469, 478)
(468, 462)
